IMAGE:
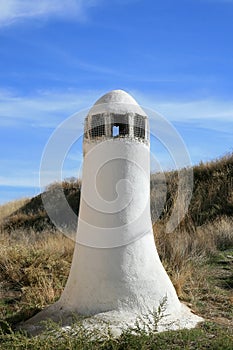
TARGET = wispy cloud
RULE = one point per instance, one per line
(189, 109)
(44, 109)
(12, 11)
(197, 110)
(19, 181)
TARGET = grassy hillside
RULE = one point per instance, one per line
(11, 207)
(198, 256)
(32, 215)
(212, 195)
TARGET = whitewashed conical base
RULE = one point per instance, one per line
(123, 292)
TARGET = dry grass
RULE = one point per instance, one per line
(191, 260)
(33, 269)
(180, 245)
(219, 233)
(10, 207)
(212, 195)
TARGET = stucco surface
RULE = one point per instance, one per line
(116, 101)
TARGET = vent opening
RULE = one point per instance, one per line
(97, 126)
(139, 127)
(119, 129)
(115, 130)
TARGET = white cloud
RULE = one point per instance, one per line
(189, 110)
(197, 110)
(44, 109)
(19, 181)
(12, 11)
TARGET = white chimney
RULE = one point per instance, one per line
(116, 273)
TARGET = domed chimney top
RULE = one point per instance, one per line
(116, 101)
(116, 115)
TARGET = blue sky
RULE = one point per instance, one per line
(58, 57)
